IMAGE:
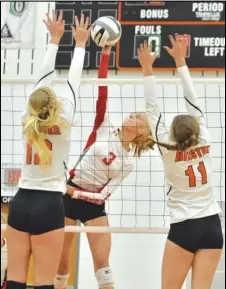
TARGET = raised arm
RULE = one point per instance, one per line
(178, 53)
(56, 29)
(158, 128)
(101, 105)
(80, 34)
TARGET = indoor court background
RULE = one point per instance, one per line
(141, 201)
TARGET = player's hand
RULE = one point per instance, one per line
(146, 58)
(179, 49)
(81, 31)
(55, 26)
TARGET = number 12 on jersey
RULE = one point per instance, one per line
(192, 177)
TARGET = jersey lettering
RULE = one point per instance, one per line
(36, 156)
(192, 154)
(108, 161)
(191, 174)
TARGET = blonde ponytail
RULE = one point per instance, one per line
(142, 144)
(44, 111)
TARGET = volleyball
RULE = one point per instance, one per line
(106, 31)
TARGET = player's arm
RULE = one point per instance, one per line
(101, 104)
(56, 29)
(105, 193)
(81, 34)
(158, 128)
(178, 52)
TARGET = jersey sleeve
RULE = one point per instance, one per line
(158, 128)
(191, 102)
(47, 73)
(101, 122)
(71, 89)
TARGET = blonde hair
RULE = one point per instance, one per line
(143, 143)
(44, 110)
(185, 131)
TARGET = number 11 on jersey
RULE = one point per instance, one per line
(192, 177)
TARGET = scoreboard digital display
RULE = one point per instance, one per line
(203, 22)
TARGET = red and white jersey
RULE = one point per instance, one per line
(57, 140)
(104, 163)
(3, 260)
(188, 173)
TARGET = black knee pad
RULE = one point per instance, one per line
(15, 285)
(44, 287)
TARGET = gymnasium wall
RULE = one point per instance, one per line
(135, 259)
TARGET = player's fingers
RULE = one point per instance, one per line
(60, 18)
(145, 45)
(54, 15)
(138, 51)
(86, 23)
(82, 21)
(185, 39)
(172, 40)
(167, 49)
(76, 22)
(63, 23)
(73, 30)
(141, 47)
(155, 54)
(49, 21)
(46, 24)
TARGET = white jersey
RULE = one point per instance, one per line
(3, 260)
(104, 163)
(188, 173)
(58, 141)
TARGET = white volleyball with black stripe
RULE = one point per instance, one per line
(106, 31)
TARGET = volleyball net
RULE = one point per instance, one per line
(140, 203)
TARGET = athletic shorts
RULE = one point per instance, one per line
(36, 212)
(196, 234)
(82, 211)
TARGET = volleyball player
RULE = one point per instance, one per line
(106, 161)
(195, 238)
(36, 214)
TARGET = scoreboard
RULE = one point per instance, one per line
(203, 22)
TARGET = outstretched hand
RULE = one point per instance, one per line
(55, 26)
(81, 31)
(146, 57)
(179, 49)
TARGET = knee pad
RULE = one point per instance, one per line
(104, 277)
(15, 285)
(60, 281)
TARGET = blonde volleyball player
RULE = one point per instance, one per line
(195, 238)
(106, 161)
(36, 214)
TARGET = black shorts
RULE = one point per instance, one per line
(82, 210)
(196, 234)
(36, 212)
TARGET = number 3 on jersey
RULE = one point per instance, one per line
(191, 174)
(108, 161)
(36, 156)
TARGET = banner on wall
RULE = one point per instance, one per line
(17, 24)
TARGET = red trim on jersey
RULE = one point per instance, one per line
(101, 105)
